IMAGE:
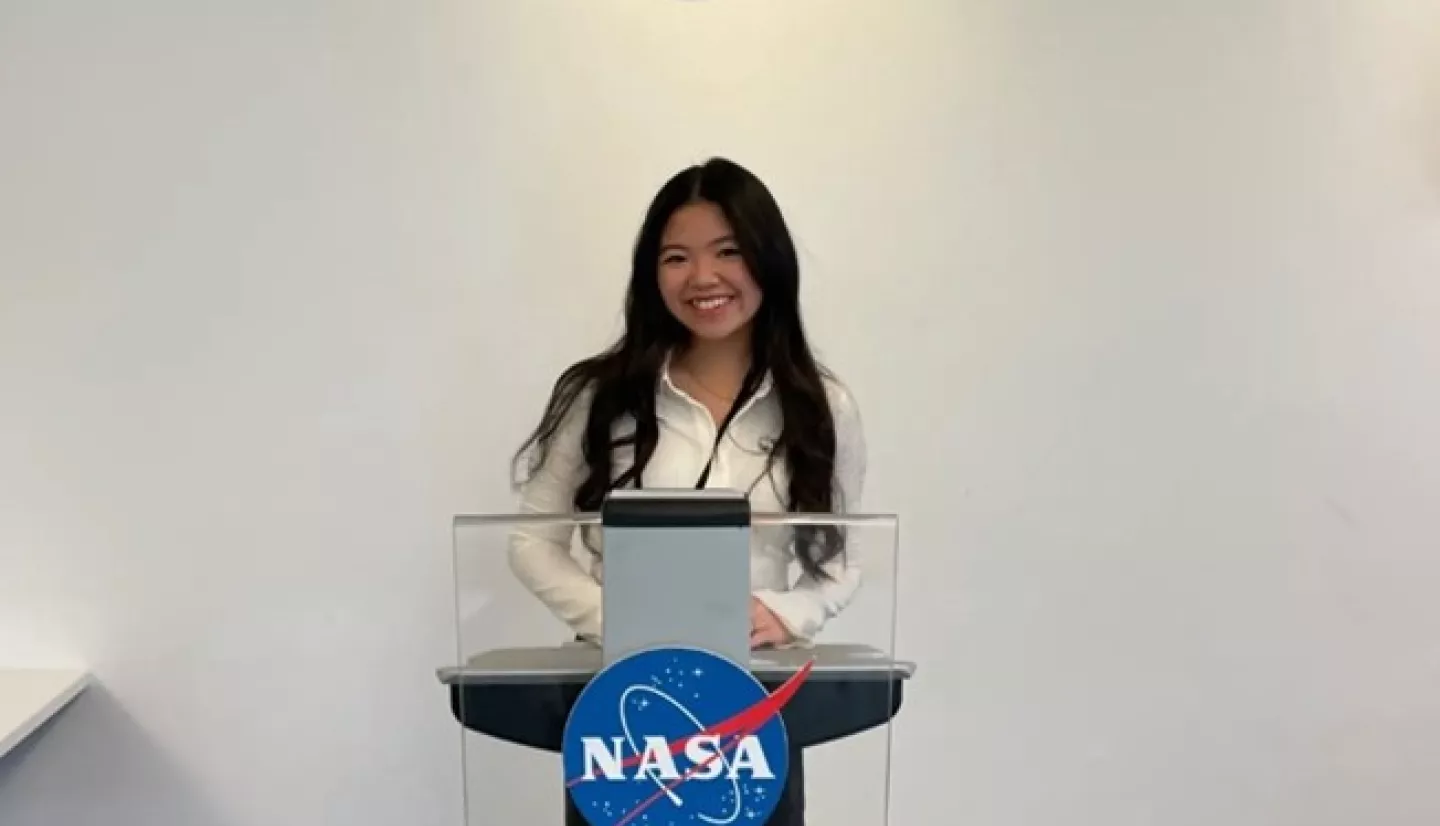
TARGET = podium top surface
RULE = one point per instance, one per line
(578, 662)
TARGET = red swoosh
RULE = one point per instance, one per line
(746, 722)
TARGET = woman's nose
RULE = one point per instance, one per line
(705, 271)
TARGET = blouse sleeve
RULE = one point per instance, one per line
(539, 555)
(813, 601)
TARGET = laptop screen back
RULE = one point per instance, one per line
(677, 572)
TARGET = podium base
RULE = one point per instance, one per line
(524, 697)
(820, 712)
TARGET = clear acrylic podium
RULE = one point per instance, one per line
(518, 672)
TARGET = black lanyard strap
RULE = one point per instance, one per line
(752, 384)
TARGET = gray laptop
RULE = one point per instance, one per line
(676, 571)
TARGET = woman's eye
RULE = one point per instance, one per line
(672, 259)
(729, 252)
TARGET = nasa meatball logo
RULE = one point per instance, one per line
(673, 736)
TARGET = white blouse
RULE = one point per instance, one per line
(541, 556)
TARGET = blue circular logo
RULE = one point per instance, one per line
(673, 736)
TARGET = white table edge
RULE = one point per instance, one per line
(74, 682)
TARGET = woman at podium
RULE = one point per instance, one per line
(712, 384)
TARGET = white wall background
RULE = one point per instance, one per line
(1142, 301)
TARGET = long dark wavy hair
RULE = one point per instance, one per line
(623, 379)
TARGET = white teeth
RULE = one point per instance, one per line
(711, 303)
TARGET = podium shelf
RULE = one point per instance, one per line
(577, 663)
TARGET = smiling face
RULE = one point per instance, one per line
(703, 278)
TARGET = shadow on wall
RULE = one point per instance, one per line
(1430, 129)
(92, 765)
(1424, 126)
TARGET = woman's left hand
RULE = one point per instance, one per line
(765, 627)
